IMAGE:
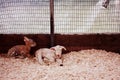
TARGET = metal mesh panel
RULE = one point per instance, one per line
(24, 16)
(70, 16)
(86, 16)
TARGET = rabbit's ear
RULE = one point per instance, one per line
(26, 39)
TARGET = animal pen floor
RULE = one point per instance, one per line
(82, 65)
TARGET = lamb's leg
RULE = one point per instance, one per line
(49, 60)
(60, 61)
(39, 58)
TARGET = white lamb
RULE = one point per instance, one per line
(50, 55)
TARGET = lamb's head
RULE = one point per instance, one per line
(58, 50)
(29, 42)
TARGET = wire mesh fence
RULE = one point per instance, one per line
(70, 16)
(24, 16)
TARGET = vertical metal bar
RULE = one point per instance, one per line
(52, 22)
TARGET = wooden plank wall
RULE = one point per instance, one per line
(109, 42)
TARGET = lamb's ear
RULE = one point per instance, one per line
(52, 48)
(26, 39)
(62, 47)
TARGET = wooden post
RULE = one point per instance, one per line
(52, 22)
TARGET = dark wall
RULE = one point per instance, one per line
(7, 41)
(109, 42)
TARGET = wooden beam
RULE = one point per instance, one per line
(108, 42)
(52, 22)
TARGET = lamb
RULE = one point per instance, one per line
(22, 51)
(50, 55)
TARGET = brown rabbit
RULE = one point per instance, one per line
(22, 51)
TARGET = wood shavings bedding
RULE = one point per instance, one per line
(82, 65)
